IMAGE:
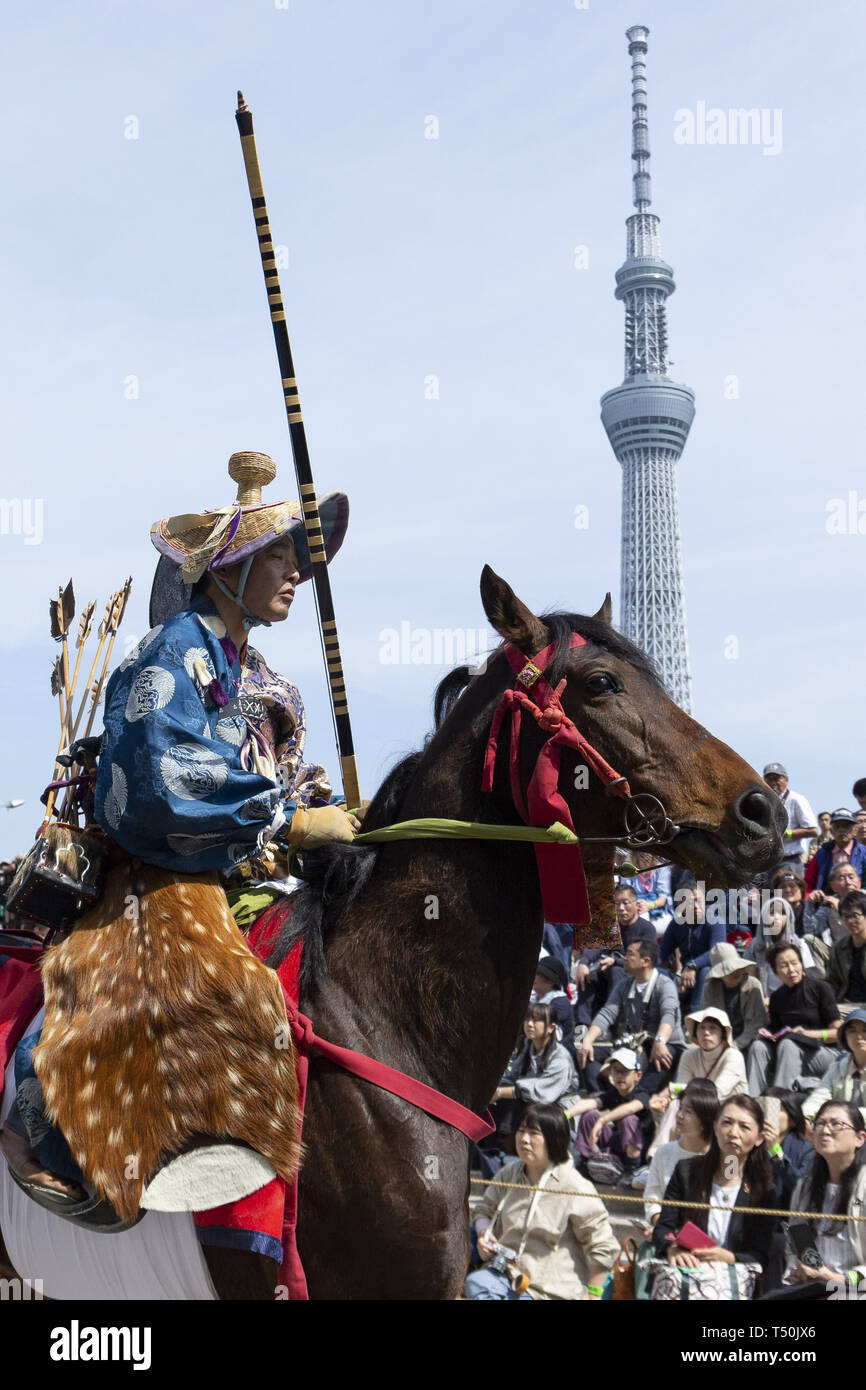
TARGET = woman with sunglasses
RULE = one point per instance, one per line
(830, 1256)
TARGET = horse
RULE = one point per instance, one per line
(421, 953)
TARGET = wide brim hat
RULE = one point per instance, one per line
(719, 1016)
(855, 1016)
(726, 960)
(194, 542)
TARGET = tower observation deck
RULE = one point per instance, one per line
(647, 420)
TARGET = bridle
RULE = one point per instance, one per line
(646, 823)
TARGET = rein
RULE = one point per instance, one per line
(544, 811)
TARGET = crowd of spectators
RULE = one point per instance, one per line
(719, 1056)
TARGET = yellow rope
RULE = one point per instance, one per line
(693, 1206)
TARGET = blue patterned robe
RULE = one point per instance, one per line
(172, 785)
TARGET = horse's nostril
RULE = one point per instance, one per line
(754, 808)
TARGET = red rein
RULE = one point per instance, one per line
(560, 868)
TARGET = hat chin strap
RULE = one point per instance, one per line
(250, 619)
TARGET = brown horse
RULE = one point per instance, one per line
(422, 953)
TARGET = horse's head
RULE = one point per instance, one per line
(727, 823)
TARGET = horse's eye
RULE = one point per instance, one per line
(600, 685)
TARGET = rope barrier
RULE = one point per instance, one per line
(692, 1206)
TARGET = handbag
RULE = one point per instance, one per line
(713, 1282)
(624, 1271)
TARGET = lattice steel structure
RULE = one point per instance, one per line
(647, 420)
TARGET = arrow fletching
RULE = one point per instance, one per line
(85, 625)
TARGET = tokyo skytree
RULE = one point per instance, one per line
(647, 420)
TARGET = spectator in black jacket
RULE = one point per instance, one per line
(734, 1172)
(550, 986)
(598, 971)
(807, 1015)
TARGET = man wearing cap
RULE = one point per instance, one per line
(845, 1078)
(843, 849)
(732, 985)
(802, 824)
(616, 1127)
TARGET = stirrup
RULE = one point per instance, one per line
(92, 1214)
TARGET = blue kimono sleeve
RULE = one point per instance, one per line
(171, 788)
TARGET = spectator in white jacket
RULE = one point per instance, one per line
(693, 1128)
(712, 1054)
(845, 1078)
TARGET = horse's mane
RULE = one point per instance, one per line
(335, 874)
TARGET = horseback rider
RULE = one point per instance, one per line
(201, 766)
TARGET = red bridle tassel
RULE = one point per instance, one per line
(603, 930)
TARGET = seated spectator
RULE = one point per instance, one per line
(642, 1012)
(549, 987)
(735, 1171)
(846, 969)
(542, 1070)
(690, 937)
(597, 971)
(616, 1128)
(556, 940)
(712, 1055)
(822, 923)
(653, 892)
(693, 1127)
(787, 1142)
(845, 1078)
(807, 1009)
(843, 847)
(788, 885)
(835, 1183)
(776, 925)
(732, 985)
(563, 1243)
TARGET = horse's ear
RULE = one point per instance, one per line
(511, 618)
(605, 613)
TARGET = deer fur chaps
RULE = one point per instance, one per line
(160, 1026)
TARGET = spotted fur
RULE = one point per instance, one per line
(174, 1012)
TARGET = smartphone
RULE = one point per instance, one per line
(805, 1243)
(772, 1108)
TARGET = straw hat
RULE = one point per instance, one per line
(717, 1015)
(725, 960)
(195, 542)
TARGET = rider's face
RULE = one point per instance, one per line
(270, 586)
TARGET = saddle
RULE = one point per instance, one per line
(161, 1029)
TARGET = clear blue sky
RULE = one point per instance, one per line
(453, 257)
